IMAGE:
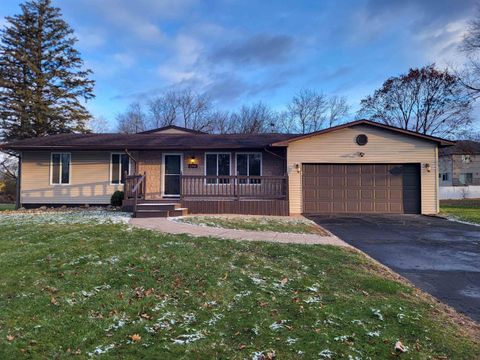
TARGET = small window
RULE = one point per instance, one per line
(466, 178)
(466, 159)
(120, 164)
(249, 165)
(217, 165)
(60, 168)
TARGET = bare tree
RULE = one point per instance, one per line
(133, 120)
(311, 111)
(252, 119)
(195, 111)
(222, 122)
(163, 110)
(470, 76)
(425, 100)
(99, 125)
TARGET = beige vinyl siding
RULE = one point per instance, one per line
(89, 179)
(383, 147)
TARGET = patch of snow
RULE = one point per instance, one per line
(377, 313)
(313, 300)
(373, 333)
(326, 354)
(257, 280)
(291, 341)
(343, 338)
(101, 350)
(65, 217)
(262, 355)
(357, 322)
(215, 318)
(119, 323)
(188, 338)
(242, 295)
(313, 288)
(278, 325)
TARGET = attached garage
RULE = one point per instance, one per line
(361, 188)
(363, 167)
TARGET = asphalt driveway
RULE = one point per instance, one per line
(439, 256)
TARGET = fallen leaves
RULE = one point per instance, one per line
(135, 338)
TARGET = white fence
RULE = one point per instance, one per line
(459, 192)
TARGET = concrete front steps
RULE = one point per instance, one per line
(159, 209)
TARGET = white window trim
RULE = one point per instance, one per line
(120, 169)
(69, 169)
(229, 167)
(163, 174)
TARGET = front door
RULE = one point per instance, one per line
(173, 168)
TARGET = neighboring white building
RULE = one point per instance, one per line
(459, 170)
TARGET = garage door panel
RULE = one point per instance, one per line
(339, 207)
(367, 206)
(380, 194)
(353, 194)
(367, 194)
(338, 194)
(353, 180)
(365, 188)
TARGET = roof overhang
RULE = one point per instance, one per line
(440, 142)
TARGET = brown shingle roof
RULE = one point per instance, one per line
(462, 147)
(188, 141)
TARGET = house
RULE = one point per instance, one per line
(459, 170)
(358, 167)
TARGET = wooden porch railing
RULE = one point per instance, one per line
(252, 187)
(135, 187)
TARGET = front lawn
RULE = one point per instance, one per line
(257, 223)
(7, 207)
(74, 286)
(463, 212)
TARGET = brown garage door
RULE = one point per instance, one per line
(351, 188)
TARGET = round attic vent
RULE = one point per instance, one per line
(362, 139)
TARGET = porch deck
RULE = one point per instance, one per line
(254, 195)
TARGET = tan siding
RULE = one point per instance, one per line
(150, 162)
(171, 131)
(383, 147)
(89, 179)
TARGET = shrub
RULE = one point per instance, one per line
(117, 198)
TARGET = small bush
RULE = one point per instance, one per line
(117, 198)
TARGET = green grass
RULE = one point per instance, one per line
(72, 288)
(255, 223)
(462, 212)
(5, 207)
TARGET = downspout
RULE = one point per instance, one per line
(131, 158)
(18, 200)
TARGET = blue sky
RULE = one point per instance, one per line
(248, 51)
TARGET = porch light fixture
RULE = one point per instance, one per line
(361, 154)
(192, 160)
(297, 167)
(427, 167)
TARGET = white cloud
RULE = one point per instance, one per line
(441, 44)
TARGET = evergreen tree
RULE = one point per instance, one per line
(42, 79)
